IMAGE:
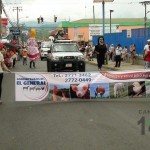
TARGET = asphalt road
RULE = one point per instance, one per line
(80, 125)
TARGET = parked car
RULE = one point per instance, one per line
(65, 55)
(45, 46)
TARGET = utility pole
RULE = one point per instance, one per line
(93, 15)
(0, 19)
(145, 3)
(110, 19)
(18, 9)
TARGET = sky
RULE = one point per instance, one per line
(72, 10)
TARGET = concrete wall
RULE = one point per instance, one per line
(138, 60)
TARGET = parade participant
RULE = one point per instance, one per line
(1, 71)
(100, 51)
(32, 47)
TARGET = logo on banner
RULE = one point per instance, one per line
(31, 87)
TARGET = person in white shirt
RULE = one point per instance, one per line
(2, 66)
(118, 51)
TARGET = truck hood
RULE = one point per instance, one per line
(62, 54)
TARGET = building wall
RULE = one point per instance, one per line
(121, 28)
(138, 37)
(78, 33)
(82, 33)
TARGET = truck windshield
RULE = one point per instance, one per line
(66, 48)
(46, 45)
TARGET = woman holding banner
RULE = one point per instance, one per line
(2, 66)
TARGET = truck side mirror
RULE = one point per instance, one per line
(49, 51)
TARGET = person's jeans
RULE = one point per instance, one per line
(24, 60)
(147, 65)
(118, 60)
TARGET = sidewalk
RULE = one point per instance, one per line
(124, 66)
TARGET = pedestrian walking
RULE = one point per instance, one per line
(111, 52)
(118, 51)
(100, 51)
(32, 47)
(124, 54)
(146, 54)
(1, 71)
(24, 56)
(133, 53)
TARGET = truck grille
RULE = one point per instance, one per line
(69, 57)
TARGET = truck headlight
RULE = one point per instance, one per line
(55, 58)
(81, 57)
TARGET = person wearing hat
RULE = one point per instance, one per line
(2, 66)
(146, 54)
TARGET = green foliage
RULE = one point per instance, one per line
(42, 34)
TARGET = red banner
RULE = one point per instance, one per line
(4, 21)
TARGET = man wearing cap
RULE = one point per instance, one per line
(146, 54)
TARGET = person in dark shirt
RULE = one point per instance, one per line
(100, 51)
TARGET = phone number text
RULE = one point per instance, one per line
(68, 80)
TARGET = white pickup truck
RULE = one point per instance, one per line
(65, 55)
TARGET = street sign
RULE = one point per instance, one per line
(15, 32)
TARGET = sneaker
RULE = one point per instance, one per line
(0, 101)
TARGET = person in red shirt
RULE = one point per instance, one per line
(13, 42)
(147, 54)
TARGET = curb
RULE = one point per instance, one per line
(104, 66)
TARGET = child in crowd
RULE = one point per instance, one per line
(24, 56)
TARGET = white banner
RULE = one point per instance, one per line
(68, 86)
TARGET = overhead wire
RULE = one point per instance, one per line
(6, 14)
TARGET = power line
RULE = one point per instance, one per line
(145, 3)
(7, 16)
(18, 9)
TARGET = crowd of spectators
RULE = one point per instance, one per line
(12, 53)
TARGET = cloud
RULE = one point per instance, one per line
(75, 10)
